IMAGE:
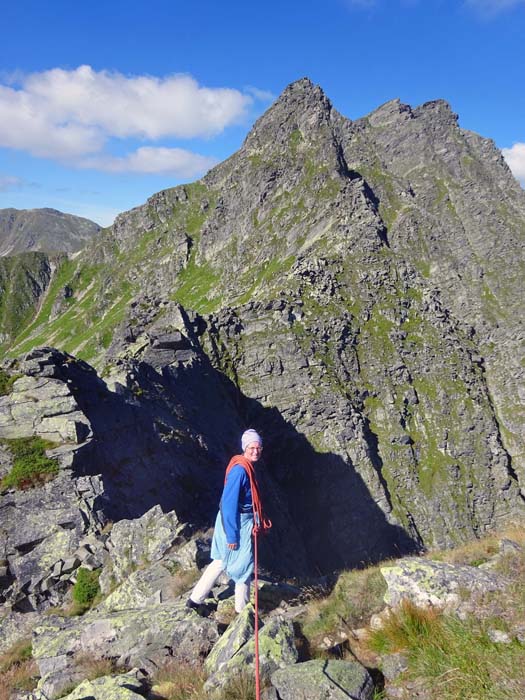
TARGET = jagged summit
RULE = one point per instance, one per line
(302, 105)
(393, 110)
(302, 89)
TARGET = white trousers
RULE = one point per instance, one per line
(205, 584)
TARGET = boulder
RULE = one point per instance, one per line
(236, 636)
(123, 687)
(273, 593)
(428, 582)
(143, 588)
(195, 553)
(322, 678)
(136, 543)
(276, 650)
(15, 626)
(143, 638)
(43, 406)
(392, 665)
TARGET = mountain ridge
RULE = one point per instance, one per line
(352, 284)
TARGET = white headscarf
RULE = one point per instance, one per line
(250, 436)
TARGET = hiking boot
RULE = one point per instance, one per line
(200, 608)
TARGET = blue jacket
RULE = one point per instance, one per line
(236, 499)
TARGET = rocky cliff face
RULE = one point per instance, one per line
(350, 288)
(23, 280)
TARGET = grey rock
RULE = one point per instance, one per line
(273, 593)
(499, 636)
(138, 542)
(507, 546)
(42, 528)
(195, 553)
(15, 626)
(426, 582)
(393, 665)
(276, 650)
(142, 638)
(33, 695)
(122, 687)
(145, 587)
(235, 637)
(330, 679)
(45, 407)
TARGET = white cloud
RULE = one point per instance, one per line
(161, 161)
(9, 182)
(141, 106)
(69, 114)
(515, 158)
(26, 124)
(489, 8)
(261, 95)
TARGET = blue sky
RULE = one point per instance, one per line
(104, 103)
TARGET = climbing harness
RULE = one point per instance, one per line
(260, 525)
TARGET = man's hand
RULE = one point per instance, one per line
(233, 546)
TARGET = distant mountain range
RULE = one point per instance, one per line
(43, 230)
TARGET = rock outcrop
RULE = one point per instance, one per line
(430, 583)
(141, 637)
(330, 679)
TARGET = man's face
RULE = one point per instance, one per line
(253, 451)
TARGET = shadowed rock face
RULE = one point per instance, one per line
(352, 289)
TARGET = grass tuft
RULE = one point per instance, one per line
(86, 590)
(183, 580)
(405, 627)
(454, 658)
(356, 596)
(7, 381)
(178, 681)
(31, 466)
(182, 681)
(18, 671)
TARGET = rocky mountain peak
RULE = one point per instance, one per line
(302, 107)
(389, 113)
(438, 110)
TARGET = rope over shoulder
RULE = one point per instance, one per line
(261, 524)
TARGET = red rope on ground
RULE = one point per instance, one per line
(256, 632)
(260, 524)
